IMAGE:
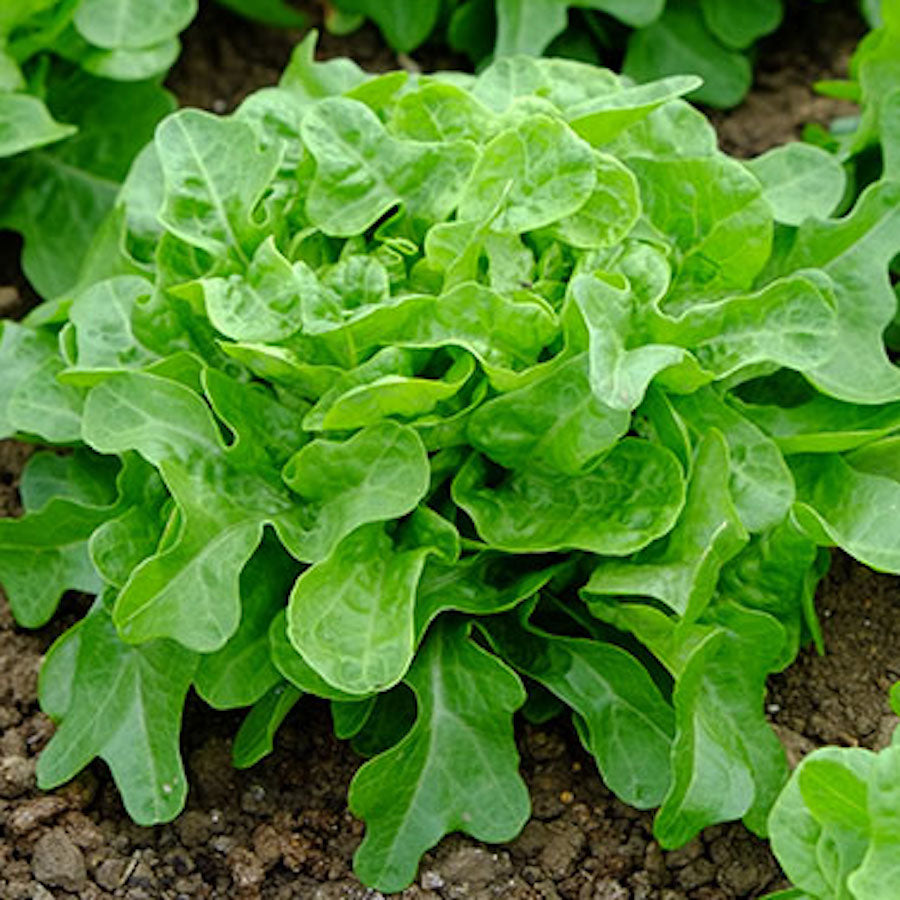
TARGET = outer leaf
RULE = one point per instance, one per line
(255, 737)
(222, 511)
(791, 322)
(26, 123)
(456, 769)
(379, 474)
(528, 28)
(679, 42)
(241, 673)
(480, 585)
(803, 843)
(76, 181)
(130, 23)
(296, 669)
(403, 27)
(45, 553)
(823, 425)
(34, 402)
(727, 762)
(800, 181)
(855, 510)
(881, 865)
(125, 707)
(855, 252)
(630, 726)
(739, 25)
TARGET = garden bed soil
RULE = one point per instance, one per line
(282, 829)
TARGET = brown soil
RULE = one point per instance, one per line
(282, 830)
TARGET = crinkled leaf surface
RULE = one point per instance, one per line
(682, 570)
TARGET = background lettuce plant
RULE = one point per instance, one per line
(710, 38)
(80, 94)
(441, 398)
(836, 826)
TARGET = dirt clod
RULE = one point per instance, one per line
(57, 862)
(16, 776)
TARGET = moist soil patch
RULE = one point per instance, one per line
(282, 829)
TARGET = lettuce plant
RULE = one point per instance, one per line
(441, 398)
(711, 38)
(79, 96)
(836, 826)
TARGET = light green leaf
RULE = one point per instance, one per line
(600, 119)
(362, 172)
(683, 568)
(855, 252)
(456, 770)
(880, 866)
(632, 497)
(104, 336)
(379, 474)
(309, 79)
(261, 304)
(215, 175)
(352, 615)
(761, 483)
(791, 322)
(530, 176)
(800, 181)
(389, 395)
(619, 375)
(555, 422)
(609, 213)
(714, 212)
(442, 112)
(818, 856)
(834, 794)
